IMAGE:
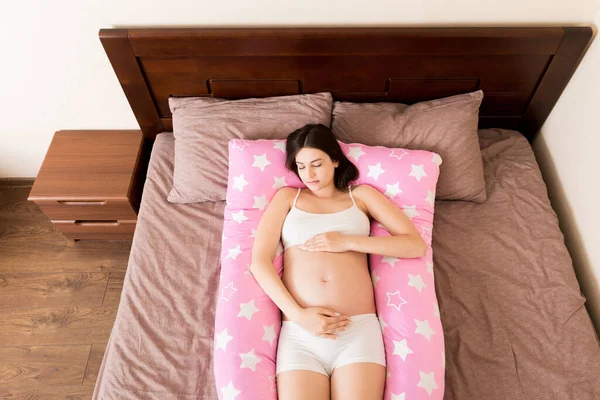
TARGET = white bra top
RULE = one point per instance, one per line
(300, 226)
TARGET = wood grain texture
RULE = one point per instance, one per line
(47, 393)
(93, 365)
(114, 289)
(117, 46)
(52, 290)
(43, 365)
(88, 165)
(560, 70)
(53, 332)
(74, 325)
(402, 65)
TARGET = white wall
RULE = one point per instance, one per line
(55, 75)
(567, 150)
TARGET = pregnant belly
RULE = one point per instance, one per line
(338, 281)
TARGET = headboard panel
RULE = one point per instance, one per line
(522, 71)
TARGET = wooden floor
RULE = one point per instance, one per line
(58, 301)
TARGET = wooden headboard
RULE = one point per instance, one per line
(522, 71)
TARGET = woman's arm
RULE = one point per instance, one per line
(268, 235)
(405, 241)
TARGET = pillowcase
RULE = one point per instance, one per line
(248, 323)
(445, 126)
(202, 127)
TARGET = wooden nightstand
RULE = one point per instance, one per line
(89, 183)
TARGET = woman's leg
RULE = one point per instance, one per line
(359, 381)
(302, 385)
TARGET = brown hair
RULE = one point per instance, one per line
(320, 137)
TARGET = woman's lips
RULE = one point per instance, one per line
(313, 182)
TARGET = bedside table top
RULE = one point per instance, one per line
(88, 165)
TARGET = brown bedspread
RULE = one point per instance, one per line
(514, 318)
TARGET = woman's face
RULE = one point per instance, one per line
(315, 168)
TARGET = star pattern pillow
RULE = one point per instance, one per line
(248, 323)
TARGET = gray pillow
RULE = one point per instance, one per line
(203, 126)
(446, 126)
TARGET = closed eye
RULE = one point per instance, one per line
(313, 166)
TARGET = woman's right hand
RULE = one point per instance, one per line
(322, 322)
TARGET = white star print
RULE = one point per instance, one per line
(437, 159)
(398, 396)
(418, 171)
(399, 300)
(401, 151)
(425, 232)
(390, 260)
(279, 182)
(436, 310)
(239, 182)
(229, 392)
(269, 335)
(427, 382)
(416, 281)
(247, 271)
(424, 329)
(392, 190)
(252, 233)
(237, 145)
(234, 252)
(401, 349)
(355, 152)
(239, 216)
(231, 291)
(430, 267)
(410, 211)
(443, 360)
(260, 202)
(249, 360)
(280, 146)
(375, 171)
(388, 375)
(222, 339)
(430, 199)
(261, 161)
(374, 278)
(248, 309)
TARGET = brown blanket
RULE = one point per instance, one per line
(514, 319)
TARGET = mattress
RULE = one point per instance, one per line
(515, 321)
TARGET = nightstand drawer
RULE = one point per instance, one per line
(86, 229)
(87, 210)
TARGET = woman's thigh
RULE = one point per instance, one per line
(358, 381)
(302, 384)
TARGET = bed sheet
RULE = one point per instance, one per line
(514, 318)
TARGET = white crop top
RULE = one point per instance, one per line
(300, 226)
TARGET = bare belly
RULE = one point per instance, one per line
(338, 281)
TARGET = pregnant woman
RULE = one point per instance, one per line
(330, 345)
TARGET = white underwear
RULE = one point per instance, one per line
(299, 349)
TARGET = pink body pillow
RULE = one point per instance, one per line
(247, 322)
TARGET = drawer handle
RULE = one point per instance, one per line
(82, 203)
(96, 223)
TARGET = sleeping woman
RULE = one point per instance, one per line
(330, 345)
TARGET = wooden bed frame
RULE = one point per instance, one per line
(522, 71)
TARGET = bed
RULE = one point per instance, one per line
(514, 319)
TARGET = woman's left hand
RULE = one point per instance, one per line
(334, 242)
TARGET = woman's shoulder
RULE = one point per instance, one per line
(362, 188)
(286, 194)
